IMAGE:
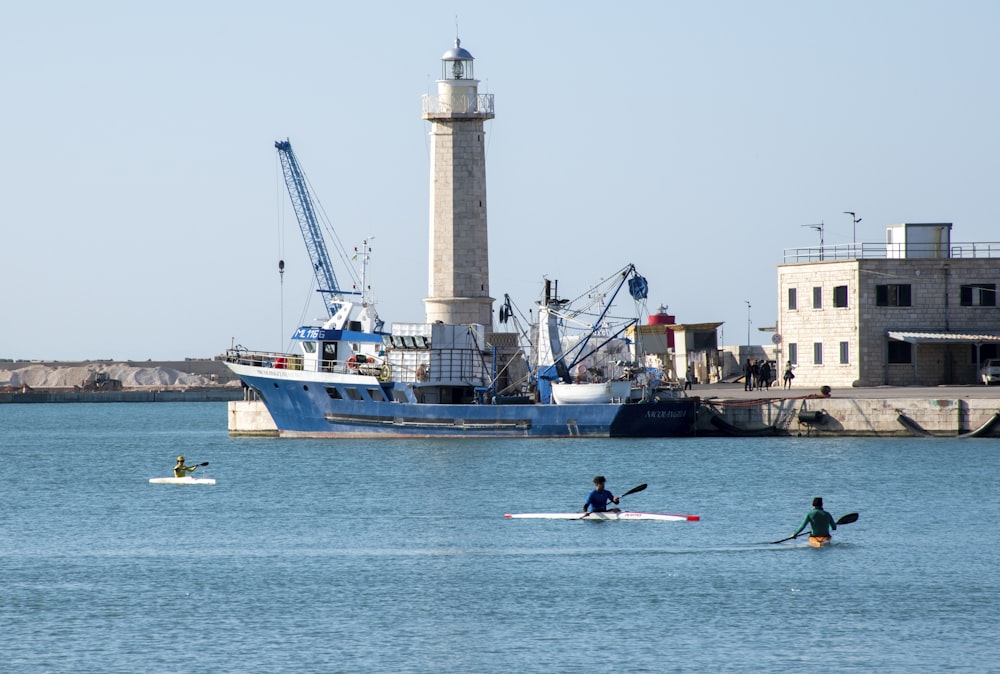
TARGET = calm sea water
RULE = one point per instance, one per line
(394, 556)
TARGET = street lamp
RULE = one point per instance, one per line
(856, 219)
(818, 228)
(748, 326)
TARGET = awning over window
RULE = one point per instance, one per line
(943, 337)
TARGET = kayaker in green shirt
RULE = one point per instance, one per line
(180, 470)
(820, 520)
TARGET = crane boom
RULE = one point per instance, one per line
(305, 212)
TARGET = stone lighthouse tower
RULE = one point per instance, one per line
(459, 284)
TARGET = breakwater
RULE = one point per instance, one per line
(218, 394)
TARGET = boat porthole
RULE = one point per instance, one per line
(305, 387)
(275, 384)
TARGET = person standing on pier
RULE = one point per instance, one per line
(789, 375)
(765, 376)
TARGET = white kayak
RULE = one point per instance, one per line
(596, 517)
(182, 480)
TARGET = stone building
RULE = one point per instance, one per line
(916, 310)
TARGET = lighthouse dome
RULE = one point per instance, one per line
(457, 53)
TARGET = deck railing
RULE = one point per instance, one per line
(289, 361)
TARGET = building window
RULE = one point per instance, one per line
(817, 298)
(845, 353)
(793, 354)
(840, 296)
(792, 299)
(979, 295)
(900, 352)
(817, 353)
(984, 352)
(892, 295)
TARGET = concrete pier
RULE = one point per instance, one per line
(250, 418)
(884, 411)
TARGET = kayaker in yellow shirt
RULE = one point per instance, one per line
(180, 470)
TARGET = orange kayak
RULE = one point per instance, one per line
(819, 541)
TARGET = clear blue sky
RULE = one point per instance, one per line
(144, 214)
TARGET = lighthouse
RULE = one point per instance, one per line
(459, 272)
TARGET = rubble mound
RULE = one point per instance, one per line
(85, 375)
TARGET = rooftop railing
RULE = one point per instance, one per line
(892, 251)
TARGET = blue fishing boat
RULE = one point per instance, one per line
(348, 379)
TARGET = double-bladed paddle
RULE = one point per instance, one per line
(846, 519)
(620, 496)
(634, 490)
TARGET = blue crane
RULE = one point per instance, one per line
(305, 212)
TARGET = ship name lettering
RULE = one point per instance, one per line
(664, 414)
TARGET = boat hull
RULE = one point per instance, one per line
(819, 541)
(301, 405)
(182, 480)
(605, 516)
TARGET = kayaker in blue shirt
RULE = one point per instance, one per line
(820, 520)
(598, 500)
(180, 470)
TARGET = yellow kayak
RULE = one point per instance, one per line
(819, 541)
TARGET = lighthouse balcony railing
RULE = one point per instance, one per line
(480, 105)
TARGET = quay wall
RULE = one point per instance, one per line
(879, 417)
